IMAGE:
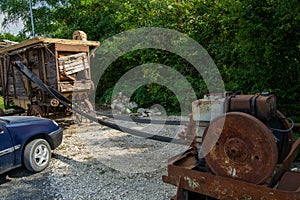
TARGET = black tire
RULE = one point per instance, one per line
(37, 155)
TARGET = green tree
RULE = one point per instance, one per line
(8, 36)
(255, 44)
(268, 41)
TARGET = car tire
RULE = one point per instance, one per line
(37, 155)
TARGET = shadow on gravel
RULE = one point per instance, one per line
(22, 184)
(3, 179)
(15, 173)
(65, 159)
(22, 172)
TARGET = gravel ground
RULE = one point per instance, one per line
(96, 162)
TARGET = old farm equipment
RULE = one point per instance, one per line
(242, 148)
(61, 64)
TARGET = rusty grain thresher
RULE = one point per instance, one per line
(243, 148)
(60, 63)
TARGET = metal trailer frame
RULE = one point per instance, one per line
(200, 183)
(46, 58)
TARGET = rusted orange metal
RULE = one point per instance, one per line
(242, 148)
(192, 183)
(245, 150)
(261, 106)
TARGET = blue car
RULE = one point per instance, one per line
(28, 141)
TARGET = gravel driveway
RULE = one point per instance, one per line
(96, 162)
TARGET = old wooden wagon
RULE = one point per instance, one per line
(62, 64)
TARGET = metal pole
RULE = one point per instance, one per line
(31, 18)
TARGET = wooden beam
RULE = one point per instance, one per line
(71, 48)
(49, 41)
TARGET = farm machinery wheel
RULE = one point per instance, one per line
(245, 150)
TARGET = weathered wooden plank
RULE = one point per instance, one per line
(73, 63)
(77, 86)
(73, 56)
(71, 48)
(49, 41)
(50, 65)
(73, 70)
(72, 66)
(21, 101)
(20, 84)
(73, 59)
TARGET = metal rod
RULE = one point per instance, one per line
(31, 18)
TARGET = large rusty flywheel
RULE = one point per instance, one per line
(243, 149)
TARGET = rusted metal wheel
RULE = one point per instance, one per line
(54, 102)
(245, 150)
(35, 110)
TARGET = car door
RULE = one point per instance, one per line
(7, 155)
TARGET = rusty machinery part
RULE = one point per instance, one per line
(262, 106)
(35, 110)
(282, 130)
(194, 184)
(68, 111)
(54, 102)
(246, 149)
(189, 133)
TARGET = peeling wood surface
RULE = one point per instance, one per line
(74, 63)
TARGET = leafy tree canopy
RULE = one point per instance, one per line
(254, 43)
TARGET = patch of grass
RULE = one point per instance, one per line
(1, 102)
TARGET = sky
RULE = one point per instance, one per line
(12, 28)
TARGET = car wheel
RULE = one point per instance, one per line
(37, 155)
